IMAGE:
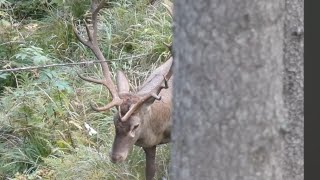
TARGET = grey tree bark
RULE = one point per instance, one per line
(293, 90)
(228, 90)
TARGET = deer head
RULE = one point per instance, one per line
(129, 105)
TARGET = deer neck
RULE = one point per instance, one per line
(155, 123)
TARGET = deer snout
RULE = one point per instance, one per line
(116, 158)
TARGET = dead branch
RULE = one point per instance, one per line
(63, 64)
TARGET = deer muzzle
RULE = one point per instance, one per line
(117, 157)
(120, 149)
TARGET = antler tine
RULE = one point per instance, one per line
(88, 31)
(92, 43)
(95, 8)
(82, 40)
(153, 93)
(156, 83)
(114, 102)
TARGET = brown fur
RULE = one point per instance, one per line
(153, 127)
(157, 120)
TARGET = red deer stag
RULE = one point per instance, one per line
(144, 117)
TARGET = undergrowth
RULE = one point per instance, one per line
(43, 112)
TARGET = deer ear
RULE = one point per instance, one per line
(122, 83)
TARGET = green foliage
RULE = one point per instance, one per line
(33, 112)
(43, 111)
(7, 34)
(31, 56)
(78, 8)
(138, 30)
(25, 156)
(89, 163)
(34, 9)
(6, 79)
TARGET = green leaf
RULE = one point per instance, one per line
(4, 75)
(31, 55)
(50, 110)
(62, 85)
(3, 22)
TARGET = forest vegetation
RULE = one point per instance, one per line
(47, 128)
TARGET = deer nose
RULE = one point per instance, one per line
(115, 158)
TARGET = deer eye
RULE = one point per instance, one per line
(135, 127)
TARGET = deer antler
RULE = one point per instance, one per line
(92, 44)
(152, 86)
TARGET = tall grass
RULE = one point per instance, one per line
(42, 133)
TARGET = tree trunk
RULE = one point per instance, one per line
(228, 90)
(293, 91)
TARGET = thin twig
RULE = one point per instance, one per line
(64, 64)
(12, 42)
